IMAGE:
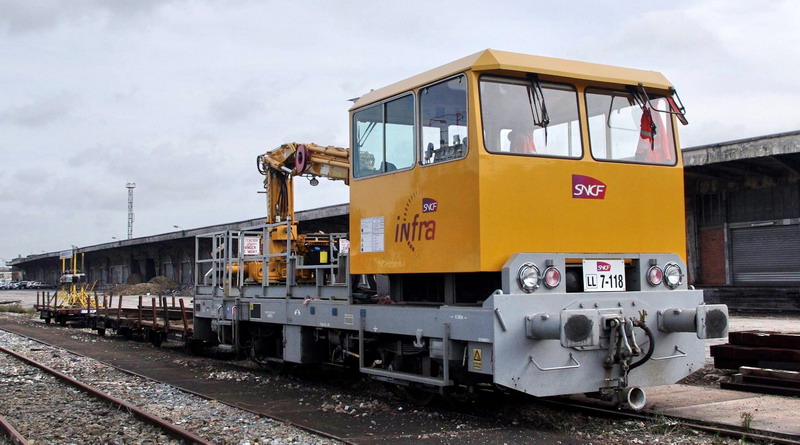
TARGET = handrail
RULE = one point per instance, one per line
(227, 252)
(556, 368)
(678, 355)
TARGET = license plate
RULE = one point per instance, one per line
(603, 275)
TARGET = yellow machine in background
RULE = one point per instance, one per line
(280, 166)
(74, 290)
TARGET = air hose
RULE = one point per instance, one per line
(650, 349)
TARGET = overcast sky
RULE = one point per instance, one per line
(181, 96)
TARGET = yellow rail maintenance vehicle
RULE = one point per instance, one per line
(523, 218)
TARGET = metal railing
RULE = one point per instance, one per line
(230, 251)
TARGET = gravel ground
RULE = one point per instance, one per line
(213, 421)
(34, 402)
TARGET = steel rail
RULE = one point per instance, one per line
(12, 433)
(758, 436)
(203, 396)
(172, 430)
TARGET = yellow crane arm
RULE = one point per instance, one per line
(282, 164)
(308, 159)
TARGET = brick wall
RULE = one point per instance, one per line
(712, 256)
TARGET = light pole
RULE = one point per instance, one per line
(130, 186)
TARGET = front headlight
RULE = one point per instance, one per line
(529, 277)
(673, 275)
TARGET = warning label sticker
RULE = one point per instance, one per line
(251, 246)
(372, 231)
(477, 359)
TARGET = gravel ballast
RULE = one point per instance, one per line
(72, 418)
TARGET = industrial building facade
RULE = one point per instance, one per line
(743, 211)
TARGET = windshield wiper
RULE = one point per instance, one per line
(538, 105)
(675, 104)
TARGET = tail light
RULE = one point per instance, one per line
(552, 277)
(655, 275)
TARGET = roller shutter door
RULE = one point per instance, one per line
(766, 255)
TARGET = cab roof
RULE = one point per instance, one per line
(491, 59)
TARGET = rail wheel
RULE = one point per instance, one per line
(155, 339)
(101, 332)
(267, 352)
(194, 346)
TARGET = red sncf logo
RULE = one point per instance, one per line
(603, 266)
(586, 187)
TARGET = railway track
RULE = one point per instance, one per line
(54, 390)
(496, 416)
(55, 408)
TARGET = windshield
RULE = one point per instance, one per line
(517, 121)
(621, 130)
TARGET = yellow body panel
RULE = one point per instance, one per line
(491, 206)
(494, 60)
(449, 243)
(527, 206)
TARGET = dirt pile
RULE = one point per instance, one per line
(157, 286)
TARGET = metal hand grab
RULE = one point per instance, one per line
(556, 368)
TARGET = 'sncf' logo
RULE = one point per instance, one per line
(414, 227)
(603, 266)
(429, 205)
(586, 187)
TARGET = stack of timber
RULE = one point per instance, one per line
(768, 362)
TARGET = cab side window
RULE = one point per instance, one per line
(383, 137)
(443, 118)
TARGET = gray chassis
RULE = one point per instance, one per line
(495, 338)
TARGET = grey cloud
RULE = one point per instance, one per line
(238, 106)
(648, 38)
(28, 175)
(39, 112)
(170, 167)
(23, 16)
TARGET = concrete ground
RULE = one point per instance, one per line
(775, 414)
(27, 298)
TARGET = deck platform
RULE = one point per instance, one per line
(154, 318)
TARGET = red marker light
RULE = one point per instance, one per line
(552, 277)
(655, 275)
